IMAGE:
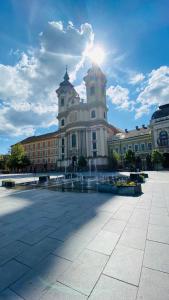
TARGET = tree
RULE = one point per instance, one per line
(149, 162)
(114, 160)
(82, 163)
(4, 161)
(18, 158)
(130, 159)
(157, 158)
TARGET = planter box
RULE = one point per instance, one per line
(130, 190)
(137, 177)
(120, 190)
(43, 179)
(145, 175)
(107, 188)
(8, 184)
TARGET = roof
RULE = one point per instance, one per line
(132, 133)
(39, 137)
(163, 111)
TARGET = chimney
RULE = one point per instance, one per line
(137, 128)
(126, 130)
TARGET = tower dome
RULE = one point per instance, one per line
(163, 111)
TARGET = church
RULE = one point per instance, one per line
(84, 131)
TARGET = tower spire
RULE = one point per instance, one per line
(66, 76)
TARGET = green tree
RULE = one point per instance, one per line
(114, 160)
(157, 159)
(82, 163)
(130, 159)
(4, 161)
(18, 159)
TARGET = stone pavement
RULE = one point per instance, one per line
(57, 245)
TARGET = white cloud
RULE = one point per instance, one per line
(120, 97)
(137, 78)
(142, 110)
(155, 91)
(27, 89)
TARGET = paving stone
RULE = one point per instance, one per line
(12, 250)
(157, 256)
(9, 295)
(39, 251)
(158, 233)
(37, 235)
(109, 288)
(154, 285)
(159, 220)
(104, 242)
(159, 211)
(133, 237)
(114, 225)
(72, 247)
(123, 213)
(85, 271)
(125, 264)
(64, 232)
(61, 292)
(33, 284)
(139, 219)
(10, 272)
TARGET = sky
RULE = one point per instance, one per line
(38, 38)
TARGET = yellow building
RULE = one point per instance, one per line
(138, 140)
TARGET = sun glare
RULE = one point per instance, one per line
(96, 55)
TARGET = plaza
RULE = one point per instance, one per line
(58, 245)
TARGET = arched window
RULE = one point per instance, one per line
(163, 138)
(62, 122)
(73, 140)
(92, 90)
(93, 114)
(62, 102)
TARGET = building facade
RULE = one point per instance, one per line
(138, 140)
(83, 131)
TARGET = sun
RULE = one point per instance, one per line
(96, 55)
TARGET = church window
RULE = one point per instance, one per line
(63, 142)
(62, 122)
(92, 90)
(94, 146)
(93, 135)
(73, 140)
(163, 138)
(94, 153)
(93, 114)
(62, 101)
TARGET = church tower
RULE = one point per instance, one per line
(67, 96)
(95, 82)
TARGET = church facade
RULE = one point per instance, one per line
(83, 128)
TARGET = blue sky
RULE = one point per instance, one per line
(38, 38)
